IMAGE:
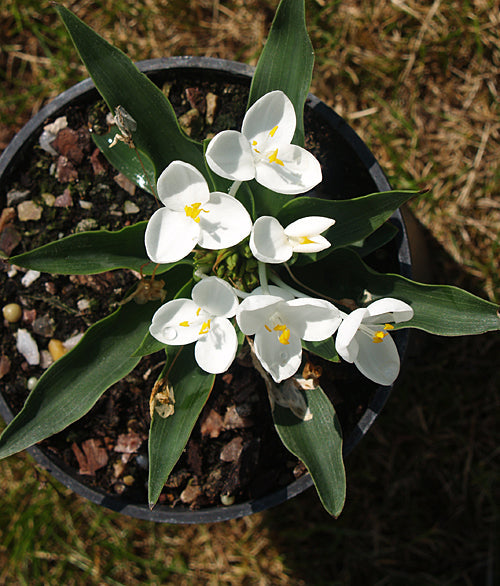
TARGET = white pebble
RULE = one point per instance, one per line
(83, 304)
(27, 346)
(30, 277)
(73, 341)
(31, 384)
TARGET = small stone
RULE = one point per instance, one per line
(45, 359)
(49, 199)
(128, 480)
(86, 224)
(227, 499)
(99, 165)
(196, 99)
(31, 383)
(44, 326)
(29, 210)
(231, 452)
(29, 316)
(125, 183)
(71, 144)
(212, 425)
(85, 205)
(233, 420)
(71, 342)
(212, 105)
(51, 288)
(12, 312)
(50, 132)
(83, 304)
(64, 200)
(27, 346)
(191, 122)
(128, 443)
(129, 207)
(17, 196)
(65, 170)
(4, 365)
(30, 277)
(191, 493)
(56, 349)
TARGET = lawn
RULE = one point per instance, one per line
(417, 81)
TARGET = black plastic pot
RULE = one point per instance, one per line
(353, 171)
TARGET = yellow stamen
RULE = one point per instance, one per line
(388, 327)
(379, 336)
(273, 131)
(194, 211)
(273, 158)
(268, 328)
(305, 240)
(205, 328)
(184, 324)
(285, 333)
(198, 311)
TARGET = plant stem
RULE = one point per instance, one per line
(234, 188)
(263, 277)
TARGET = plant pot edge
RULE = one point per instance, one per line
(163, 513)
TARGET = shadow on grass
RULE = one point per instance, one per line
(420, 501)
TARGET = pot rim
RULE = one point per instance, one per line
(163, 513)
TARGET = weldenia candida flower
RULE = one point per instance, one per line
(279, 325)
(192, 215)
(263, 149)
(363, 338)
(204, 320)
(271, 243)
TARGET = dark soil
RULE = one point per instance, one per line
(234, 450)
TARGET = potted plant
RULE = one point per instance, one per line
(289, 245)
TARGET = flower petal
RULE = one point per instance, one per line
(315, 244)
(299, 172)
(170, 236)
(229, 155)
(180, 185)
(268, 241)
(280, 360)
(346, 343)
(270, 121)
(254, 310)
(216, 350)
(378, 362)
(276, 291)
(224, 222)
(311, 319)
(215, 296)
(309, 226)
(166, 324)
(388, 310)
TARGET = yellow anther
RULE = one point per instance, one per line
(388, 327)
(273, 158)
(254, 143)
(273, 131)
(268, 328)
(184, 324)
(198, 311)
(205, 328)
(194, 211)
(284, 337)
(379, 336)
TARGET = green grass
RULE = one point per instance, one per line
(421, 504)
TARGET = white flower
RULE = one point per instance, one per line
(279, 326)
(363, 338)
(204, 320)
(192, 215)
(262, 149)
(271, 243)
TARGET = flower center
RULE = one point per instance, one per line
(273, 158)
(193, 211)
(380, 334)
(205, 328)
(284, 337)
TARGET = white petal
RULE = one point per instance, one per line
(268, 241)
(230, 156)
(311, 319)
(215, 296)
(299, 173)
(280, 360)
(316, 244)
(216, 350)
(309, 226)
(166, 324)
(388, 310)
(378, 362)
(170, 236)
(180, 185)
(276, 291)
(224, 222)
(346, 343)
(254, 310)
(272, 110)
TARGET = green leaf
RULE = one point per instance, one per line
(120, 83)
(325, 349)
(125, 160)
(286, 62)
(318, 443)
(355, 219)
(88, 253)
(376, 240)
(169, 436)
(73, 384)
(438, 309)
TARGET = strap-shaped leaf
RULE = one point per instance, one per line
(73, 384)
(318, 443)
(376, 240)
(120, 83)
(355, 219)
(323, 348)
(125, 160)
(286, 62)
(88, 253)
(438, 309)
(169, 436)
